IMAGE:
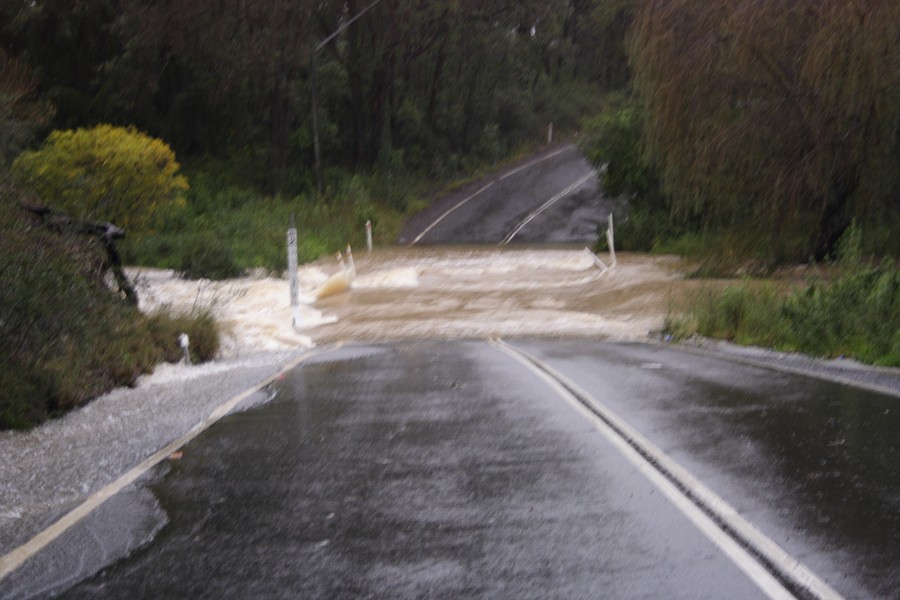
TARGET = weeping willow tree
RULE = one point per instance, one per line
(778, 120)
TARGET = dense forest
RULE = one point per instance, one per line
(188, 128)
(428, 86)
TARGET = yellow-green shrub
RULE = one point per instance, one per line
(105, 173)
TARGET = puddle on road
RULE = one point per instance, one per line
(436, 292)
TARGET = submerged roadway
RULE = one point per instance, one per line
(519, 468)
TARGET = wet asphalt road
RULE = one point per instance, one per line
(448, 470)
(489, 210)
(812, 463)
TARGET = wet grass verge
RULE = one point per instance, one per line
(851, 309)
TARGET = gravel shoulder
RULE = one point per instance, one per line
(49, 470)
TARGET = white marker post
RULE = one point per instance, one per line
(611, 240)
(550, 134)
(292, 270)
(369, 236)
(351, 266)
(185, 343)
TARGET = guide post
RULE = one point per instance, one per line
(292, 269)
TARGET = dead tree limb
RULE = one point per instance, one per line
(106, 232)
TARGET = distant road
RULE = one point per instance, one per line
(552, 197)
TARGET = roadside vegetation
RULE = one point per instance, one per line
(743, 134)
(755, 135)
(66, 336)
(846, 308)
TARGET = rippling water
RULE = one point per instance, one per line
(435, 292)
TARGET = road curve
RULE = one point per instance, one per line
(551, 197)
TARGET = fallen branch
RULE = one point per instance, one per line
(106, 232)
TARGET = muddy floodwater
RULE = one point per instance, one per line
(436, 292)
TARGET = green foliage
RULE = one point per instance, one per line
(105, 173)
(609, 21)
(855, 314)
(226, 230)
(774, 121)
(613, 141)
(21, 112)
(746, 314)
(206, 257)
(200, 326)
(437, 88)
(65, 337)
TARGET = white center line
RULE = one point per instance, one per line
(544, 207)
(483, 188)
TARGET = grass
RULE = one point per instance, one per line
(65, 337)
(854, 312)
(227, 229)
(224, 232)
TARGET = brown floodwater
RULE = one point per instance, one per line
(438, 292)
(469, 292)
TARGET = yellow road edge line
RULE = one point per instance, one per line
(17, 557)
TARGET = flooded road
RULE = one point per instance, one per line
(439, 293)
(408, 457)
(458, 292)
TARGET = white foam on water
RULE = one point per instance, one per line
(401, 277)
(255, 313)
(166, 373)
(504, 262)
(431, 292)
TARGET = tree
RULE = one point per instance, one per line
(21, 112)
(413, 84)
(104, 173)
(613, 141)
(65, 44)
(779, 118)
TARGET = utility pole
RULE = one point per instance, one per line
(315, 86)
(315, 118)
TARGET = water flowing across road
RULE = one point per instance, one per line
(438, 293)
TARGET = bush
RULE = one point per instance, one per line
(105, 173)
(206, 257)
(200, 327)
(65, 337)
(856, 314)
(613, 142)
